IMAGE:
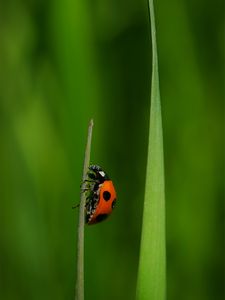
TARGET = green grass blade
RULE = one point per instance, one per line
(151, 284)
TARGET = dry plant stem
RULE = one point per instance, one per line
(79, 293)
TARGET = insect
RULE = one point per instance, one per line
(100, 195)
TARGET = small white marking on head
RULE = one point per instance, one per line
(102, 173)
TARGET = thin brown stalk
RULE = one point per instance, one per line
(79, 293)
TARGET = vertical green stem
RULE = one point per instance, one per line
(79, 293)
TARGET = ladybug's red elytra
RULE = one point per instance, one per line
(100, 195)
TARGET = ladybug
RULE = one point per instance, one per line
(100, 195)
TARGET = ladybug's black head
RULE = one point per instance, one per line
(97, 173)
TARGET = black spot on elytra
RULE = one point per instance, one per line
(113, 203)
(101, 217)
(106, 195)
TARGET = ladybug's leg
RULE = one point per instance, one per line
(85, 182)
(87, 185)
(84, 189)
(75, 205)
(89, 196)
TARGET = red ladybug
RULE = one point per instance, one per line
(100, 195)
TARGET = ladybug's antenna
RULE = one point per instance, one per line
(75, 205)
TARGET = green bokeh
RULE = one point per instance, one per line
(63, 62)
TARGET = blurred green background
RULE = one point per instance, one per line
(63, 62)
